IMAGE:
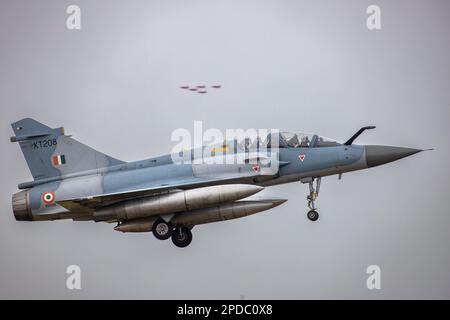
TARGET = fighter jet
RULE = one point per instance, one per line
(170, 194)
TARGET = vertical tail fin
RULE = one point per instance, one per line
(50, 153)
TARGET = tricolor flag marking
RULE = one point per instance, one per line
(59, 160)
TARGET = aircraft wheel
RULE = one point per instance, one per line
(313, 215)
(182, 237)
(162, 230)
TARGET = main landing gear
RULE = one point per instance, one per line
(313, 215)
(181, 236)
(162, 230)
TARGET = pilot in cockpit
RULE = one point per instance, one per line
(305, 142)
(293, 142)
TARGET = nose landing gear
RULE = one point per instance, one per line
(313, 215)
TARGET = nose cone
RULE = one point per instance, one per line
(377, 155)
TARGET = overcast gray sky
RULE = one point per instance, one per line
(291, 65)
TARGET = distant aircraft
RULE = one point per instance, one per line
(202, 87)
(158, 195)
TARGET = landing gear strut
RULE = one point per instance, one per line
(313, 215)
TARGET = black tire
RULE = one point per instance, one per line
(162, 230)
(313, 215)
(182, 237)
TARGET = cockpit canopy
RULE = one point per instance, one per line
(287, 140)
(304, 140)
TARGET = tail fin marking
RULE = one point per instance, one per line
(50, 153)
